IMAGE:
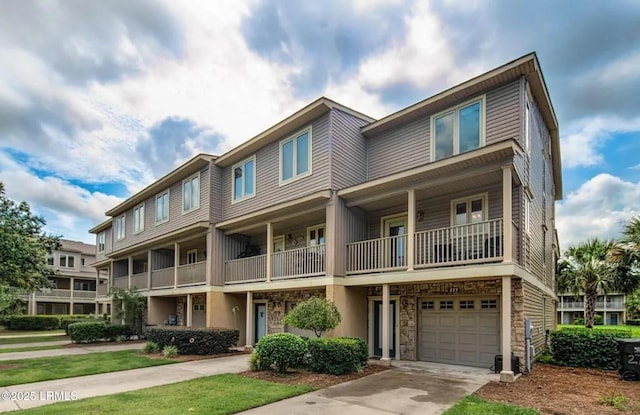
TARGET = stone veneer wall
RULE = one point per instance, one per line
(181, 304)
(408, 308)
(276, 305)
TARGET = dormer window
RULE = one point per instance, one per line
(458, 129)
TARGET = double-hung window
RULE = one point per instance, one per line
(469, 210)
(315, 235)
(101, 241)
(120, 227)
(138, 218)
(191, 193)
(244, 179)
(458, 130)
(162, 207)
(295, 156)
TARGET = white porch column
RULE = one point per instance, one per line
(130, 270)
(604, 306)
(189, 310)
(507, 373)
(385, 324)
(507, 240)
(411, 228)
(33, 309)
(209, 251)
(72, 288)
(176, 263)
(269, 249)
(249, 322)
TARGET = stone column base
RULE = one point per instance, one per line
(507, 376)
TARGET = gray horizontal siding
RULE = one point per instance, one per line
(399, 149)
(177, 219)
(268, 192)
(503, 113)
(410, 145)
(349, 150)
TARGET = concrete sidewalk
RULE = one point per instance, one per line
(68, 351)
(35, 344)
(116, 382)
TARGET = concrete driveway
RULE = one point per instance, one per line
(408, 388)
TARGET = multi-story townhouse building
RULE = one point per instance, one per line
(431, 229)
(610, 306)
(73, 289)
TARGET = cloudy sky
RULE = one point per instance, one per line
(98, 99)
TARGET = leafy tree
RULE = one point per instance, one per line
(626, 255)
(316, 313)
(128, 305)
(586, 268)
(633, 305)
(23, 250)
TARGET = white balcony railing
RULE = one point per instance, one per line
(190, 274)
(300, 262)
(251, 269)
(377, 255)
(464, 244)
(85, 294)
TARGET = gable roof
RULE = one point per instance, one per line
(76, 246)
(289, 125)
(527, 66)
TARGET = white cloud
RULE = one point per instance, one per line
(599, 208)
(581, 146)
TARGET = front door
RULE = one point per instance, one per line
(395, 229)
(613, 319)
(377, 328)
(260, 320)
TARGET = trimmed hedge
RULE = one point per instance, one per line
(64, 322)
(279, 351)
(94, 331)
(337, 355)
(582, 347)
(33, 323)
(194, 341)
(633, 322)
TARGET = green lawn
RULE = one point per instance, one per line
(635, 330)
(472, 405)
(213, 395)
(60, 367)
(34, 339)
(28, 349)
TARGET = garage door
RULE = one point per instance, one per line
(462, 331)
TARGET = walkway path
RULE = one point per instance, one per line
(34, 344)
(116, 382)
(67, 351)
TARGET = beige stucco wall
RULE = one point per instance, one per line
(227, 311)
(352, 305)
(159, 308)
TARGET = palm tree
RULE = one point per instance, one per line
(626, 255)
(587, 268)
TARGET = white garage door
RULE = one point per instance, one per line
(462, 331)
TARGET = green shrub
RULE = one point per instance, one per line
(280, 351)
(64, 322)
(578, 322)
(633, 322)
(582, 347)
(150, 347)
(317, 314)
(545, 356)
(113, 331)
(255, 365)
(598, 320)
(170, 351)
(89, 332)
(34, 323)
(337, 355)
(194, 341)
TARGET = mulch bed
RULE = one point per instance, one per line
(556, 390)
(318, 380)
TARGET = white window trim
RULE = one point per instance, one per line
(292, 138)
(192, 251)
(190, 178)
(140, 206)
(485, 206)
(456, 134)
(233, 181)
(385, 219)
(104, 241)
(124, 227)
(315, 228)
(168, 192)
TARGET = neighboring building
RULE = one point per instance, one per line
(73, 288)
(611, 307)
(432, 229)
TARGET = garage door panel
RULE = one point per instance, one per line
(459, 336)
